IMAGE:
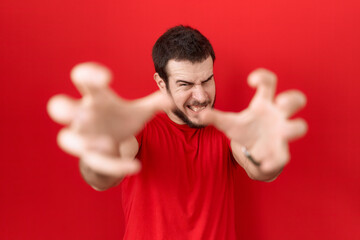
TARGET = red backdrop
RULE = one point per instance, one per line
(311, 45)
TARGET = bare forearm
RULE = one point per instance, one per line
(97, 181)
(102, 180)
(254, 172)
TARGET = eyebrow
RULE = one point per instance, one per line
(183, 81)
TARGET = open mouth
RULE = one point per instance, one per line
(196, 108)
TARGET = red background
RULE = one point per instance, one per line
(311, 45)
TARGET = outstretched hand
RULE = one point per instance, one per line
(264, 128)
(98, 122)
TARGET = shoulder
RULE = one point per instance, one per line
(158, 122)
(213, 132)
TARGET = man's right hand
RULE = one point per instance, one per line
(101, 120)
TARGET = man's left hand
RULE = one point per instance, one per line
(264, 128)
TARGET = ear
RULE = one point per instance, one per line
(160, 82)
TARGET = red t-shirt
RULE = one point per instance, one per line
(185, 187)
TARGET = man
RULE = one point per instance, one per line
(184, 189)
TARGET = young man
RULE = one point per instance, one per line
(184, 189)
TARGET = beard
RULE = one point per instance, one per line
(186, 120)
(180, 114)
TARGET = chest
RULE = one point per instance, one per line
(185, 156)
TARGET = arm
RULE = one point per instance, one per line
(103, 181)
(252, 170)
(264, 128)
(100, 127)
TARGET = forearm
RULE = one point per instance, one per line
(107, 173)
(253, 171)
(97, 181)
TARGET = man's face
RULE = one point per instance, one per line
(192, 87)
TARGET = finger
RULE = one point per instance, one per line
(71, 142)
(265, 82)
(156, 101)
(90, 77)
(62, 108)
(223, 121)
(290, 102)
(295, 129)
(144, 108)
(109, 165)
(76, 144)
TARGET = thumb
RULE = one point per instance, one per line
(147, 106)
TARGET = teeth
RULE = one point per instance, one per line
(196, 109)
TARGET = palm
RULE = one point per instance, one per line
(99, 121)
(108, 114)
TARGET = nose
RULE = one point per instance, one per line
(199, 94)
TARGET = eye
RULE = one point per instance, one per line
(185, 84)
(207, 81)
